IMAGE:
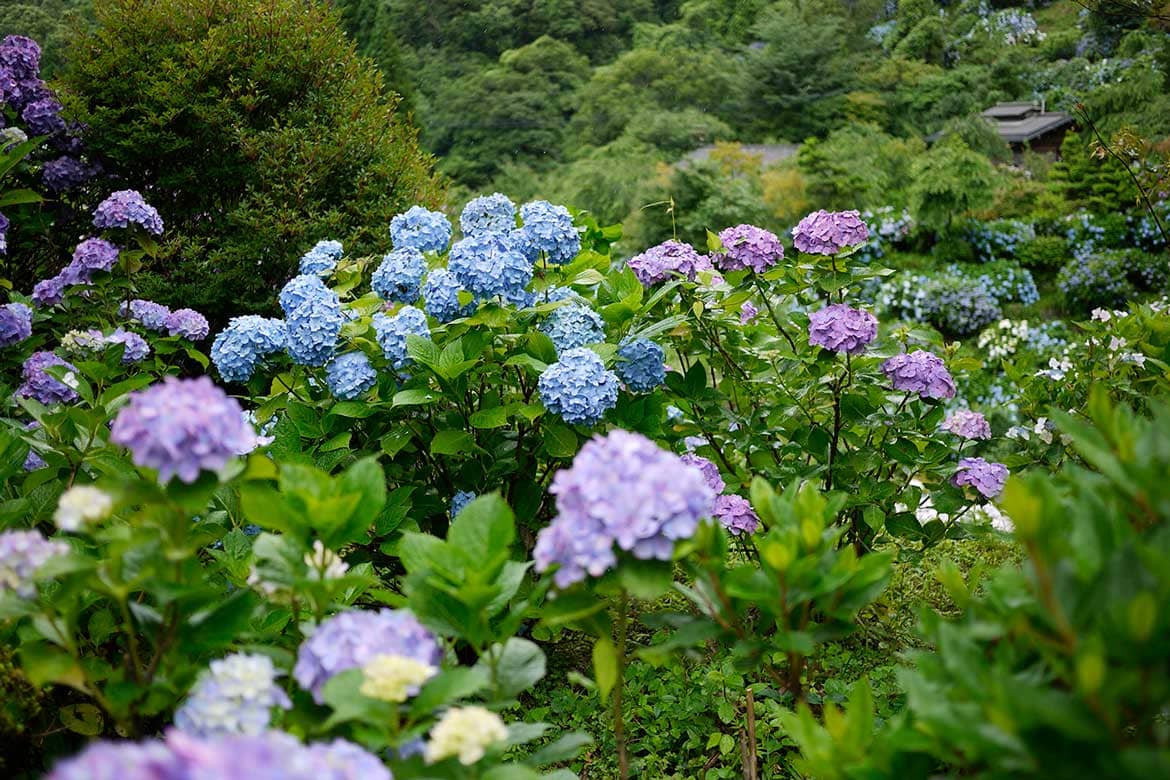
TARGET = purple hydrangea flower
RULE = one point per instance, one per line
(747, 246)
(967, 424)
(15, 323)
(709, 470)
(351, 639)
(33, 460)
(65, 173)
(578, 388)
(841, 328)
(747, 313)
(43, 117)
(125, 208)
(920, 372)
(120, 761)
(49, 292)
(39, 385)
(181, 427)
(21, 56)
(828, 232)
(135, 347)
(187, 323)
(736, 514)
(621, 489)
(94, 254)
(4, 225)
(151, 315)
(21, 554)
(987, 478)
(662, 262)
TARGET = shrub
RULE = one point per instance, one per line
(256, 130)
(1043, 252)
(962, 306)
(1099, 280)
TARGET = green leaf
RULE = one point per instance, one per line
(83, 719)
(563, 749)
(448, 686)
(353, 409)
(605, 666)
(518, 665)
(452, 443)
(494, 417)
(422, 350)
(484, 530)
(366, 480)
(415, 396)
(560, 441)
(646, 579)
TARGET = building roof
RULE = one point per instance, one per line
(1019, 123)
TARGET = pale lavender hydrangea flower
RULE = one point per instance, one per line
(987, 478)
(841, 328)
(351, 639)
(920, 372)
(187, 323)
(967, 424)
(15, 323)
(40, 385)
(21, 554)
(828, 232)
(747, 313)
(235, 695)
(125, 208)
(120, 761)
(621, 489)
(748, 246)
(134, 346)
(152, 316)
(181, 427)
(709, 470)
(736, 514)
(662, 262)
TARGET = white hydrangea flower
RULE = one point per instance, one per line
(80, 505)
(465, 732)
(394, 678)
(324, 564)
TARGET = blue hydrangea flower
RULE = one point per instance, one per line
(549, 229)
(300, 289)
(641, 365)
(352, 639)
(313, 329)
(488, 265)
(181, 427)
(418, 228)
(322, 259)
(460, 500)
(135, 347)
(15, 323)
(578, 388)
(244, 343)
(488, 214)
(234, 696)
(391, 333)
(574, 325)
(440, 293)
(400, 275)
(350, 375)
(621, 489)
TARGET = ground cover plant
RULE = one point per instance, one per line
(850, 467)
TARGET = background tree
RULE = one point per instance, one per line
(257, 131)
(949, 181)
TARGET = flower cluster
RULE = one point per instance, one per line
(735, 513)
(300, 290)
(353, 639)
(421, 229)
(987, 478)
(181, 427)
(842, 329)
(465, 733)
(246, 341)
(573, 325)
(440, 293)
(967, 424)
(829, 232)
(400, 275)
(80, 506)
(391, 333)
(21, 554)
(747, 246)
(150, 315)
(641, 365)
(549, 229)
(747, 313)
(39, 384)
(621, 489)
(998, 240)
(1006, 337)
(126, 208)
(313, 329)
(187, 323)
(490, 264)
(461, 499)
(234, 696)
(394, 678)
(1099, 279)
(92, 254)
(884, 225)
(350, 375)
(269, 754)
(962, 306)
(578, 388)
(322, 259)
(134, 347)
(1003, 280)
(920, 372)
(662, 262)
(708, 469)
(488, 214)
(15, 323)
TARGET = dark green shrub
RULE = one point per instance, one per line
(1098, 280)
(1043, 252)
(254, 128)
